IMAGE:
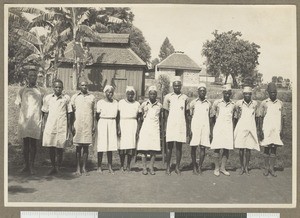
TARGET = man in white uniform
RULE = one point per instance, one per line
(272, 122)
(176, 114)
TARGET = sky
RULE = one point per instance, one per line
(188, 27)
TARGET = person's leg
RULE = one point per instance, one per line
(193, 155)
(267, 161)
(216, 160)
(201, 158)
(241, 153)
(152, 160)
(84, 159)
(129, 158)
(225, 156)
(144, 163)
(32, 150)
(247, 156)
(59, 153)
(26, 143)
(78, 157)
(52, 153)
(169, 155)
(178, 157)
(100, 155)
(122, 159)
(273, 160)
(109, 160)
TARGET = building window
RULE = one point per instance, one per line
(120, 74)
(178, 72)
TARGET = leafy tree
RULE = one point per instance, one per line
(230, 55)
(155, 62)
(274, 79)
(166, 49)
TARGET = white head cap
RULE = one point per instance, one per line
(108, 87)
(152, 88)
(247, 89)
(177, 79)
(202, 85)
(227, 87)
(129, 89)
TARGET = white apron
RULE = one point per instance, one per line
(176, 124)
(200, 126)
(272, 126)
(223, 130)
(245, 133)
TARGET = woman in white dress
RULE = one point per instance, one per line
(245, 132)
(222, 112)
(272, 114)
(129, 115)
(149, 137)
(200, 127)
(107, 111)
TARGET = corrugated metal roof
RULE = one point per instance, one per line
(110, 55)
(109, 38)
(179, 61)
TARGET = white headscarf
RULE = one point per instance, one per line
(129, 89)
(247, 89)
(108, 87)
(202, 85)
(152, 88)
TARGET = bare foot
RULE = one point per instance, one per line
(53, 171)
(247, 172)
(195, 171)
(110, 170)
(177, 171)
(242, 171)
(122, 170)
(168, 172)
(99, 170)
(85, 172)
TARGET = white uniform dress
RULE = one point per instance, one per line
(272, 113)
(106, 139)
(245, 132)
(30, 119)
(176, 123)
(149, 138)
(200, 126)
(223, 129)
(55, 133)
(83, 106)
(128, 124)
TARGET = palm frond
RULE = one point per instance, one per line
(87, 30)
(29, 45)
(28, 36)
(85, 16)
(31, 57)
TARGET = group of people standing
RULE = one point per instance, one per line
(128, 126)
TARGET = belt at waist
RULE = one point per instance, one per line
(109, 118)
(128, 118)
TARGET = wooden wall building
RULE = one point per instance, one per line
(114, 63)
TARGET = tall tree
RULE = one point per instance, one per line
(228, 54)
(166, 49)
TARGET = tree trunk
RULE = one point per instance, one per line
(226, 79)
(235, 84)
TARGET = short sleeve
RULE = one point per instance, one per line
(45, 107)
(19, 98)
(73, 100)
(213, 110)
(98, 107)
(192, 107)
(262, 109)
(166, 103)
(69, 105)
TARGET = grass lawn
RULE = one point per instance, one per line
(15, 158)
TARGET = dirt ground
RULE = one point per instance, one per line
(134, 187)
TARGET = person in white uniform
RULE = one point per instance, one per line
(107, 117)
(245, 132)
(200, 127)
(149, 137)
(176, 112)
(83, 128)
(57, 111)
(129, 115)
(29, 99)
(222, 113)
(272, 113)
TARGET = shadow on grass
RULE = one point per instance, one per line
(15, 189)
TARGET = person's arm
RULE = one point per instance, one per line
(261, 113)
(118, 124)
(45, 117)
(212, 120)
(190, 116)
(166, 106)
(236, 115)
(283, 115)
(187, 118)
